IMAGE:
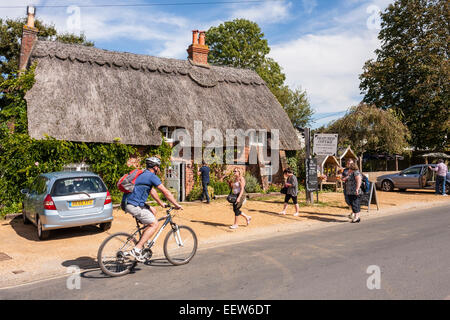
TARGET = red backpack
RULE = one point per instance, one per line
(127, 182)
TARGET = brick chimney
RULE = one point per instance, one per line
(198, 50)
(29, 37)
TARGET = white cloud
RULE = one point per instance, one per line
(327, 63)
(327, 66)
(267, 12)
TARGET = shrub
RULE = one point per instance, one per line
(251, 184)
(220, 187)
(274, 188)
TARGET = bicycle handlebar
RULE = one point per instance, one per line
(170, 208)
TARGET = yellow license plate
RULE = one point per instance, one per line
(81, 203)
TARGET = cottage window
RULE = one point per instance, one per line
(167, 133)
(257, 138)
(268, 171)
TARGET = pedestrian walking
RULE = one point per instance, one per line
(237, 185)
(344, 177)
(204, 172)
(353, 190)
(441, 176)
(291, 186)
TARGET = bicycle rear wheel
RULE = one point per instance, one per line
(112, 255)
(180, 245)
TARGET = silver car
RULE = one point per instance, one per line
(67, 199)
(415, 177)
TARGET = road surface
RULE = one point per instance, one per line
(403, 256)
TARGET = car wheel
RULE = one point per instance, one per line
(387, 186)
(42, 234)
(105, 226)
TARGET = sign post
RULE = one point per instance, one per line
(311, 169)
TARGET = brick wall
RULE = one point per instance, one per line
(29, 36)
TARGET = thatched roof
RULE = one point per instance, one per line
(93, 95)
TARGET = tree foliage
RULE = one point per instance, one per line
(369, 129)
(297, 106)
(240, 43)
(411, 73)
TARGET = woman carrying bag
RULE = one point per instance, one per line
(237, 185)
(290, 191)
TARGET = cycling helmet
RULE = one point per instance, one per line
(152, 162)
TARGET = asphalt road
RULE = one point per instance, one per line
(410, 251)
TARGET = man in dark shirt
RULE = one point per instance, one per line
(204, 171)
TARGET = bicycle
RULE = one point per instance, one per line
(180, 246)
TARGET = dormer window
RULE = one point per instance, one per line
(168, 133)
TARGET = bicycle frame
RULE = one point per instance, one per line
(168, 219)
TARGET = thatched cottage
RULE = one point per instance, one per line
(87, 94)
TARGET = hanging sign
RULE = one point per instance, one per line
(325, 144)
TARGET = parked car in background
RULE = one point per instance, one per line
(415, 177)
(67, 199)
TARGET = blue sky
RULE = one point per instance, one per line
(321, 44)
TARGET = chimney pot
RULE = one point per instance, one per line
(198, 50)
(31, 11)
(202, 38)
(194, 36)
(29, 37)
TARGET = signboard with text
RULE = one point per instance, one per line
(325, 144)
(312, 183)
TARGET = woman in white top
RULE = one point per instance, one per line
(238, 187)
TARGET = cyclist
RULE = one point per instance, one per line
(136, 206)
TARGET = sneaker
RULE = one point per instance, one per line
(233, 226)
(445, 195)
(137, 255)
(351, 216)
(296, 214)
(283, 213)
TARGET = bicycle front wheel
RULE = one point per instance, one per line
(180, 245)
(113, 257)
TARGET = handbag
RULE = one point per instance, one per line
(232, 198)
(283, 190)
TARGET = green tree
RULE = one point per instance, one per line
(11, 34)
(370, 129)
(411, 73)
(297, 106)
(240, 43)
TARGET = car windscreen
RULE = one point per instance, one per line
(68, 186)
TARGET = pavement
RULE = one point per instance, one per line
(24, 259)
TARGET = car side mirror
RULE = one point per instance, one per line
(25, 191)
